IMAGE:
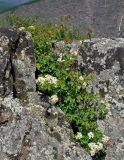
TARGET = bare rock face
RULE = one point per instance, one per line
(17, 63)
(27, 132)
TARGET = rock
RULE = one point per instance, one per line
(17, 63)
(105, 57)
(26, 131)
(32, 129)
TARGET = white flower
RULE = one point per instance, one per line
(51, 79)
(107, 97)
(81, 78)
(48, 78)
(102, 101)
(73, 52)
(71, 58)
(79, 87)
(31, 27)
(80, 42)
(40, 80)
(105, 139)
(99, 146)
(79, 135)
(92, 152)
(90, 135)
(84, 84)
(53, 99)
(21, 28)
(94, 148)
(60, 60)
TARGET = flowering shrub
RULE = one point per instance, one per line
(95, 147)
(53, 99)
(62, 80)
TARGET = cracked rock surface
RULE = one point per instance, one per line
(106, 58)
(26, 133)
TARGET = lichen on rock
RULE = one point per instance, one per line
(105, 57)
(28, 129)
(33, 129)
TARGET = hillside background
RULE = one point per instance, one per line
(106, 17)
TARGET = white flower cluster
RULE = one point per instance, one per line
(84, 84)
(31, 27)
(60, 59)
(21, 28)
(105, 139)
(48, 78)
(90, 135)
(74, 52)
(78, 136)
(53, 99)
(82, 79)
(95, 147)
